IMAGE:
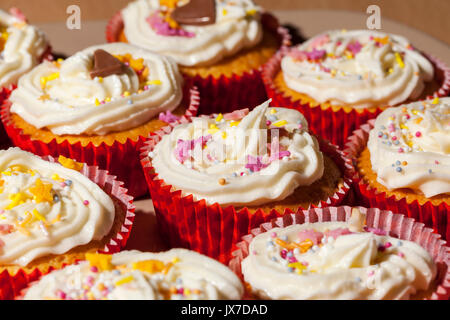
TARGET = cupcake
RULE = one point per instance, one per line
(403, 162)
(97, 107)
(328, 254)
(214, 179)
(177, 274)
(53, 213)
(341, 79)
(22, 46)
(219, 45)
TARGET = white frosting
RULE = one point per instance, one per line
(52, 225)
(199, 277)
(348, 267)
(71, 105)
(23, 49)
(228, 155)
(234, 29)
(375, 76)
(418, 133)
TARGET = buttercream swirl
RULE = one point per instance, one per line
(335, 260)
(21, 48)
(46, 208)
(133, 275)
(237, 26)
(240, 158)
(62, 96)
(357, 68)
(410, 147)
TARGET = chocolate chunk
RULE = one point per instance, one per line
(196, 13)
(105, 65)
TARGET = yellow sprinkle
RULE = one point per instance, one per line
(213, 128)
(175, 260)
(100, 79)
(27, 219)
(219, 117)
(224, 135)
(402, 126)
(44, 97)
(153, 82)
(97, 103)
(150, 266)
(55, 177)
(17, 199)
(273, 111)
(251, 12)
(435, 100)
(107, 99)
(418, 120)
(279, 123)
(99, 260)
(234, 123)
(57, 219)
(187, 292)
(399, 59)
(415, 112)
(124, 280)
(70, 163)
(126, 93)
(145, 73)
(39, 216)
(390, 70)
(59, 60)
(224, 12)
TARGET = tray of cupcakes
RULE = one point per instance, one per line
(319, 170)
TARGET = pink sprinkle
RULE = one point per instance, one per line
(180, 291)
(16, 12)
(335, 233)
(310, 55)
(273, 234)
(371, 273)
(407, 116)
(418, 134)
(311, 234)
(401, 254)
(268, 123)
(162, 27)
(391, 127)
(255, 164)
(86, 202)
(63, 184)
(94, 269)
(394, 138)
(354, 47)
(387, 245)
(292, 259)
(146, 87)
(283, 253)
(436, 161)
(61, 294)
(6, 228)
(400, 150)
(168, 117)
(254, 252)
(300, 126)
(378, 232)
(236, 115)
(305, 263)
(320, 41)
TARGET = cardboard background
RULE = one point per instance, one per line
(430, 16)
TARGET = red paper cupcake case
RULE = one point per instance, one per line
(396, 225)
(336, 126)
(223, 94)
(436, 217)
(211, 229)
(120, 159)
(10, 285)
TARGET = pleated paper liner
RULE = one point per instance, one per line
(396, 225)
(212, 229)
(433, 216)
(11, 284)
(119, 158)
(336, 123)
(222, 94)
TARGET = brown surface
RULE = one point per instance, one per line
(364, 167)
(430, 16)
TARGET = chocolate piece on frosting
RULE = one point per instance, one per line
(196, 12)
(105, 65)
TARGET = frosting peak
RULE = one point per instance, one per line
(63, 97)
(357, 68)
(260, 156)
(410, 147)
